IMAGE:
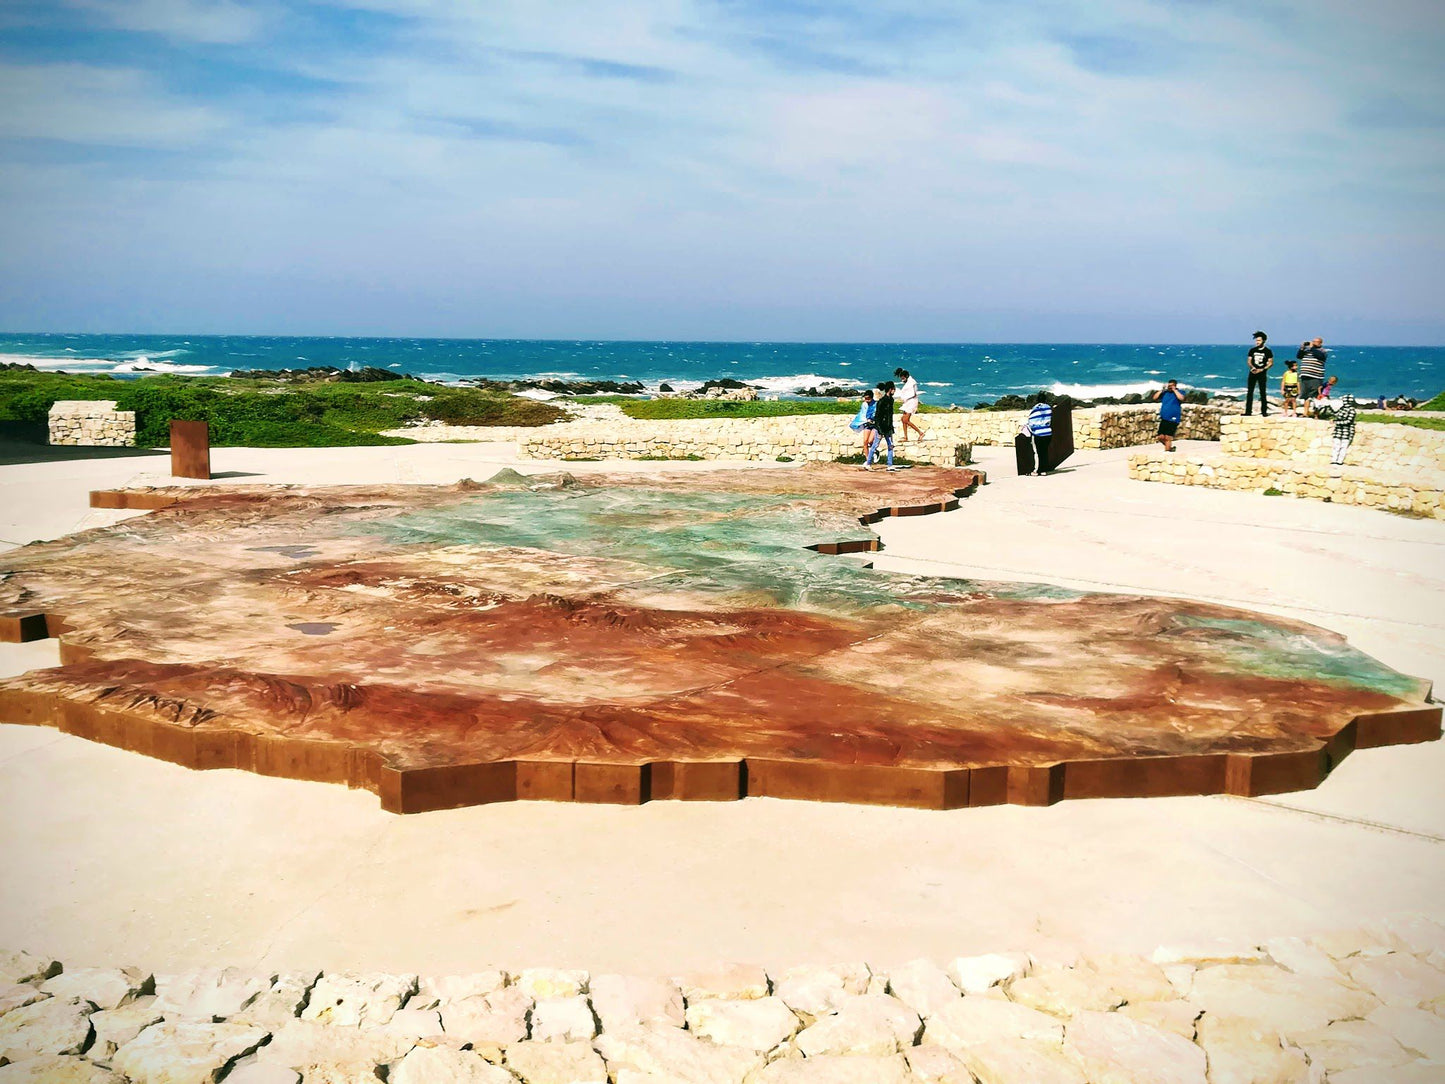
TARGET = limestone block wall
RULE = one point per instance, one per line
(1377, 446)
(827, 436)
(1419, 492)
(91, 424)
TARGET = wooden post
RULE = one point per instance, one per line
(190, 449)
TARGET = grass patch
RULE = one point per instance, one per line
(783, 459)
(1437, 424)
(1437, 403)
(857, 461)
(1272, 492)
(261, 413)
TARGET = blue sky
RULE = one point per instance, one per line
(1105, 170)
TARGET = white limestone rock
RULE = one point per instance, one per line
(975, 974)
(1299, 956)
(937, 1065)
(1064, 991)
(258, 1072)
(812, 991)
(312, 1048)
(975, 1020)
(1416, 934)
(494, 1020)
(1416, 1073)
(414, 1023)
(352, 1000)
(1341, 944)
(1129, 978)
(1239, 1051)
(57, 1069)
(556, 1063)
(19, 994)
(185, 1051)
(1013, 1060)
(209, 994)
(1351, 1044)
(754, 1024)
(873, 1024)
(671, 1055)
(434, 991)
(116, 1027)
(836, 1069)
(541, 983)
(564, 1019)
(103, 987)
(1209, 954)
(440, 1065)
(731, 981)
(1397, 978)
(281, 1003)
(1421, 1032)
(1176, 1017)
(1115, 1049)
(51, 1026)
(619, 1000)
(1277, 1000)
(16, 967)
(922, 986)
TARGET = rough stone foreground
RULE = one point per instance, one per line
(1362, 1006)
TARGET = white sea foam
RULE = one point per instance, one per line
(1106, 391)
(540, 394)
(144, 364)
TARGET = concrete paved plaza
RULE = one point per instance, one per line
(113, 858)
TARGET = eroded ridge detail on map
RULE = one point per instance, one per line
(622, 638)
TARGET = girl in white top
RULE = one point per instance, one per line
(907, 404)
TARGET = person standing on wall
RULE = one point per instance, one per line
(1260, 358)
(1040, 424)
(1312, 358)
(907, 404)
(1171, 413)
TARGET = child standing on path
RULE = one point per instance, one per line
(1171, 413)
(882, 424)
(908, 406)
(1344, 430)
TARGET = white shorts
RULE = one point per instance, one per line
(910, 406)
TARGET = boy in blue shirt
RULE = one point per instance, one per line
(1171, 413)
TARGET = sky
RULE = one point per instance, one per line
(887, 170)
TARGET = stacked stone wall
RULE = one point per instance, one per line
(1377, 446)
(805, 437)
(91, 424)
(1420, 493)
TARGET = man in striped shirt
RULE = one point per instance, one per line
(1312, 357)
(1040, 425)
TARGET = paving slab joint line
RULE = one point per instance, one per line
(1335, 818)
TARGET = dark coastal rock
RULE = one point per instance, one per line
(560, 387)
(830, 391)
(322, 374)
(727, 383)
(17, 367)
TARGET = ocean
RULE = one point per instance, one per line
(961, 374)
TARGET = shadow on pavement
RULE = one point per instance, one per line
(24, 442)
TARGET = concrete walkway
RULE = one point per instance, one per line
(113, 857)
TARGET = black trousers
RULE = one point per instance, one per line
(1041, 448)
(1259, 379)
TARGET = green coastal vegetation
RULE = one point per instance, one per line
(269, 412)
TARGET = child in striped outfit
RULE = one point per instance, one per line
(1344, 430)
(1040, 424)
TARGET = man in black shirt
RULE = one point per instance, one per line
(1261, 358)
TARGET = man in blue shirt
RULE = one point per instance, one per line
(1171, 413)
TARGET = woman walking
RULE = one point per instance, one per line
(908, 404)
(882, 424)
(863, 421)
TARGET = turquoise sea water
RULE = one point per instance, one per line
(948, 373)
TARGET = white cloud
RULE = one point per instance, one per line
(81, 103)
(209, 21)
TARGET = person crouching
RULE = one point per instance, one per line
(1344, 433)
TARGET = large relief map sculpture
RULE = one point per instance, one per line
(622, 638)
